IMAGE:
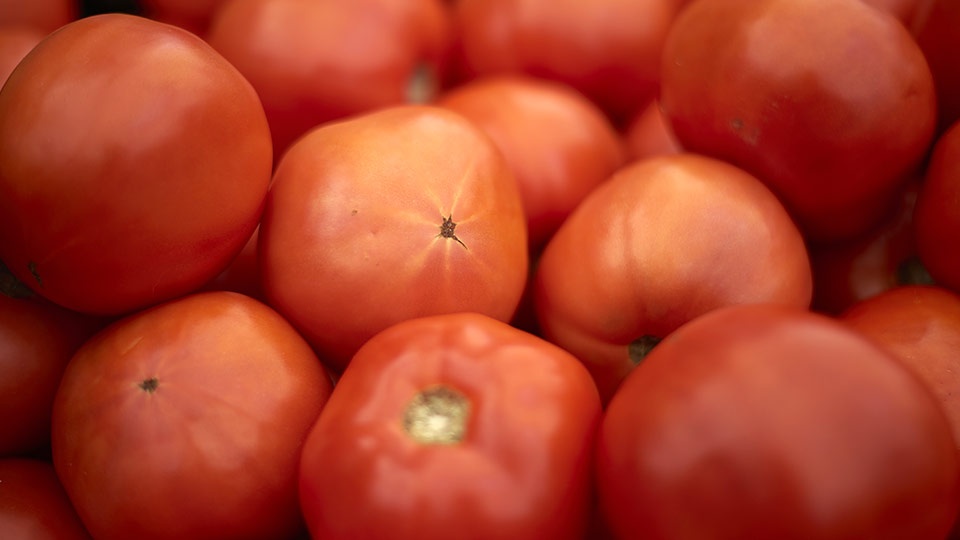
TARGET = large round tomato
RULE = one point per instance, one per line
(830, 103)
(608, 49)
(187, 420)
(33, 505)
(453, 426)
(661, 242)
(312, 61)
(134, 161)
(400, 213)
(936, 217)
(558, 143)
(764, 421)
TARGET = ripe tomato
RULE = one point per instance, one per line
(37, 339)
(765, 421)
(44, 15)
(661, 242)
(920, 325)
(15, 42)
(853, 270)
(134, 161)
(936, 33)
(312, 62)
(453, 426)
(399, 213)
(936, 218)
(33, 505)
(608, 49)
(830, 103)
(558, 143)
(186, 420)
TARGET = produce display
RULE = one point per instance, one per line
(480, 269)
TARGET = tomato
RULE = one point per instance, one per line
(186, 420)
(909, 12)
(762, 421)
(936, 33)
(399, 213)
(43, 15)
(134, 162)
(312, 62)
(37, 340)
(853, 270)
(770, 86)
(937, 214)
(661, 242)
(33, 504)
(608, 49)
(649, 134)
(453, 426)
(558, 143)
(15, 43)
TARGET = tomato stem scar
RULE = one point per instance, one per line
(437, 415)
(149, 385)
(447, 229)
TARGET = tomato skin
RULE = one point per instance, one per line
(15, 43)
(767, 85)
(558, 143)
(521, 471)
(312, 62)
(607, 49)
(649, 134)
(186, 420)
(37, 340)
(936, 219)
(663, 241)
(936, 33)
(33, 504)
(351, 239)
(773, 422)
(126, 182)
(44, 15)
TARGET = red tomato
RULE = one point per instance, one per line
(186, 420)
(661, 242)
(134, 161)
(312, 61)
(830, 103)
(608, 49)
(400, 213)
(558, 143)
(33, 505)
(15, 42)
(847, 272)
(453, 426)
(37, 340)
(44, 15)
(649, 134)
(936, 218)
(764, 421)
(936, 33)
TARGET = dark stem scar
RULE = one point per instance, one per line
(149, 385)
(32, 266)
(447, 229)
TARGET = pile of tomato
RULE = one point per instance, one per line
(512, 269)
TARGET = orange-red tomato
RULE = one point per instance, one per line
(312, 62)
(186, 420)
(831, 104)
(44, 15)
(134, 162)
(608, 49)
(33, 504)
(453, 426)
(399, 213)
(558, 143)
(663, 241)
(936, 217)
(761, 421)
